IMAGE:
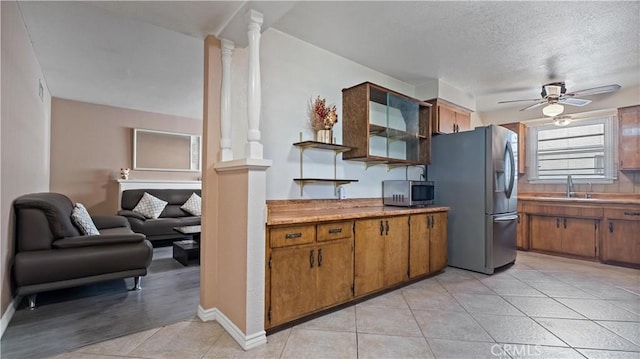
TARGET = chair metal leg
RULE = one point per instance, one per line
(32, 301)
(136, 285)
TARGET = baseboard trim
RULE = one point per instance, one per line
(246, 342)
(8, 314)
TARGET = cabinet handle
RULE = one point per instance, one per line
(320, 257)
(430, 221)
(335, 230)
(632, 213)
(387, 222)
(311, 258)
(381, 228)
(565, 223)
(293, 235)
(610, 227)
(557, 222)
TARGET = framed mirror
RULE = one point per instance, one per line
(165, 151)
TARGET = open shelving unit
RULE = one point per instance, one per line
(384, 127)
(337, 149)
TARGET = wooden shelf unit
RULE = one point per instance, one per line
(383, 126)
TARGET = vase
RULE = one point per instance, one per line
(325, 136)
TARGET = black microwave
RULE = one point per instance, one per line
(406, 193)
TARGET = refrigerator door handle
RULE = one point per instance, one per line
(512, 170)
(509, 218)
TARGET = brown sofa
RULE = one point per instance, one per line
(51, 252)
(172, 216)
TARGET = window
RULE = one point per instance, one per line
(585, 149)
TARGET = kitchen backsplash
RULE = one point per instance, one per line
(628, 182)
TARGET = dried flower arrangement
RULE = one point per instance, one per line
(321, 116)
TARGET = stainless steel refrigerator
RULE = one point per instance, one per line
(475, 174)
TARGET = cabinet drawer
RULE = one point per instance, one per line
(336, 230)
(291, 235)
(623, 213)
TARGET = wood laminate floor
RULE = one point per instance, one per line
(72, 318)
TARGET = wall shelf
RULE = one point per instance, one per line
(337, 149)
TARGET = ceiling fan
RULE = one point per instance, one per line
(555, 95)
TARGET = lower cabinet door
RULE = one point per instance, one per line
(335, 272)
(396, 250)
(293, 283)
(579, 237)
(546, 233)
(621, 241)
(419, 245)
(369, 256)
(438, 242)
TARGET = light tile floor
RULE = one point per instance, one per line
(542, 307)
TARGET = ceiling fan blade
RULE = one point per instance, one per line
(572, 101)
(594, 91)
(533, 99)
(534, 106)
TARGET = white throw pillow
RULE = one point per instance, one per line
(193, 205)
(82, 219)
(150, 206)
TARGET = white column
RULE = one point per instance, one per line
(226, 153)
(254, 147)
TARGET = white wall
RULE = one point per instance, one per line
(25, 122)
(293, 73)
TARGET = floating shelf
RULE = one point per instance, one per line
(336, 182)
(321, 145)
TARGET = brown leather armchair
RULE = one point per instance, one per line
(51, 253)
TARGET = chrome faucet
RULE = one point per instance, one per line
(570, 192)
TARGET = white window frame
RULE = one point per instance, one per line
(608, 118)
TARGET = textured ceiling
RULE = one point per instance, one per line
(148, 55)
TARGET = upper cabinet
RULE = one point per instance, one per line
(448, 118)
(384, 126)
(519, 151)
(629, 137)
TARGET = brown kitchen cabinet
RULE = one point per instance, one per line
(381, 253)
(448, 118)
(545, 233)
(520, 150)
(629, 137)
(521, 232)
(621, 240)
(438, 242)
(382, 126)
(566, 235)
(308, 269)
(427, 243)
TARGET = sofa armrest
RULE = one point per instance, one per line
(98, 240)
(132, 214)
(103, 222)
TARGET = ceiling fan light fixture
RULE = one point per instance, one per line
(553, 109)
(561, 121)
